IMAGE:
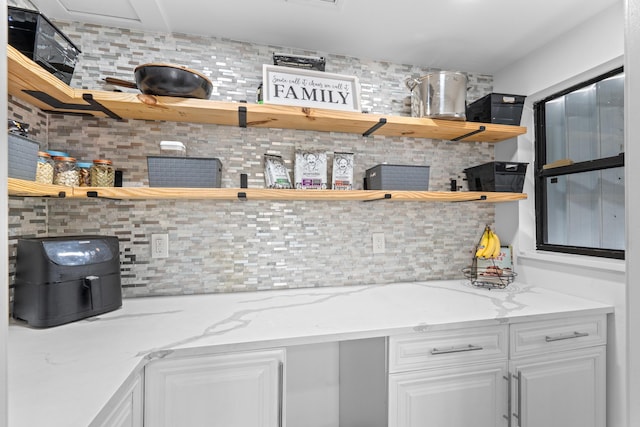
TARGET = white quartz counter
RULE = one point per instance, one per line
(63, 376)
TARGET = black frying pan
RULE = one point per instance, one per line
(168, 80)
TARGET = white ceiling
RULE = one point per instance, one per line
(469, 35)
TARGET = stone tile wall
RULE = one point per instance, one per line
(221, 246)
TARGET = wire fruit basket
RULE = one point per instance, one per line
(491, 267)
(489, 277)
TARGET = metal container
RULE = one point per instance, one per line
(439, 95)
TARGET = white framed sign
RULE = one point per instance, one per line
(309, 88)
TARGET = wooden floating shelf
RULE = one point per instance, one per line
(18, 187)
(31, 83)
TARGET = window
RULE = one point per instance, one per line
(580, 169)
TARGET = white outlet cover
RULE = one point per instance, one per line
(377, 241)
(159, 246)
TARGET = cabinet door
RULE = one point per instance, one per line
(125, 410)
(565, 389)
(471, 395)
(225, 390)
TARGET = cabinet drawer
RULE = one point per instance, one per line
(557, 335)
(443, 348)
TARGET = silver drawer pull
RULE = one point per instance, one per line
(455, 349)
(566, 337)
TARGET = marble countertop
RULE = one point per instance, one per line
(63, 376)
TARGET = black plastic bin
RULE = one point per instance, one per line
(497, 176)
(497, 108)
(38, 39)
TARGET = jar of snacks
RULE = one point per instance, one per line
(84, 173)
(65, 171)
(102, 173)
(54, 153)
(44, 168)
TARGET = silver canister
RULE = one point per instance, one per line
(439, 95)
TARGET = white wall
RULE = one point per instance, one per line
(632, 175)
(590, 49)
(4, 227)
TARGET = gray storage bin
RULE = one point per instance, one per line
(23, 157)
(192, 172)
(398, 177)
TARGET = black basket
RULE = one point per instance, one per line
(497, 176)
(299, 61)
(498, 108)
(37, 38)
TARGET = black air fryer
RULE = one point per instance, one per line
(63, 279)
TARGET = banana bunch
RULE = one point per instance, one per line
(489, 246)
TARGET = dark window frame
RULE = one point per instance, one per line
(541, 175)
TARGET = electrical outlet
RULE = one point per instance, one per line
(159, 246)
(377, 240)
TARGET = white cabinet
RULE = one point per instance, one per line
(226, 390)
(553, 375)
(126, 409)
(558, 373)
(566, 389)
(469, 395)
(453, 378)
(529, 374)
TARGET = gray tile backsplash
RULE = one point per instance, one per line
(222, 246)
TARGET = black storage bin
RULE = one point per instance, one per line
(37, 38)
(299, 61)
(397, 177)
(497, 108)
(497, 176)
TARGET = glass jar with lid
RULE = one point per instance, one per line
(84, 173)
(102, 173)
(65, 171)
(44, 168)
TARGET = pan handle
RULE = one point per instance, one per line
(119, 82)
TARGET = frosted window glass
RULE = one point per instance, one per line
(586, 124)
(587, 209)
